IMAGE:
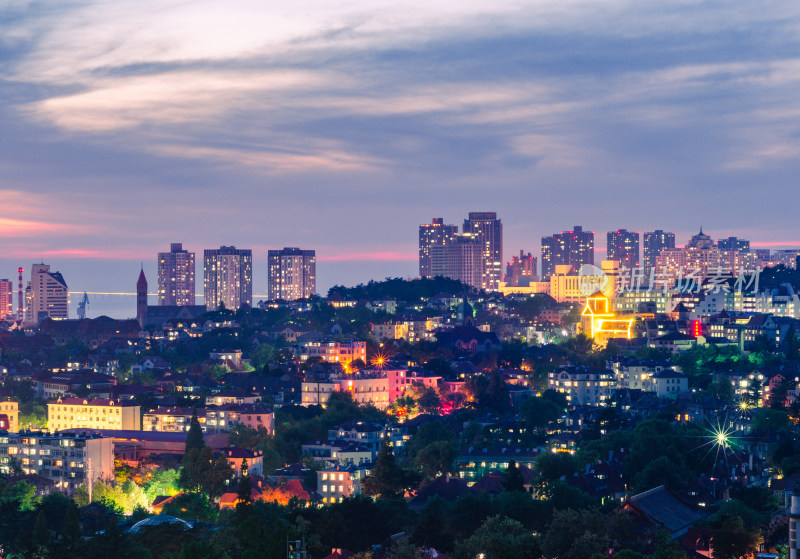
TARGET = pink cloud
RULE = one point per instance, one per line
(21, 227)
(81, 253)
(774, 244)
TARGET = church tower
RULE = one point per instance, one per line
(141, 299)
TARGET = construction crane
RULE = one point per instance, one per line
(82, 306)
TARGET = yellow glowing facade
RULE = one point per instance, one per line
(94, 413)
(599, 322)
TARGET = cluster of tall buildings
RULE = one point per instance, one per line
(227, 278)
(45, 295)
(475, 256)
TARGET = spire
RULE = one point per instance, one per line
(142, 280)
(701, 229)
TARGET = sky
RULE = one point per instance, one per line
(342, 126)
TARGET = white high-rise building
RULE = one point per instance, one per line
(228, 278)
(176, 277)
(292, 274)
(47, 295)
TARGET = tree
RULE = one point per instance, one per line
(539, 412)
(388, 480)
(194, 438)
(245, 486)
(512, 480)
(791, 345)
(661, 471)
(190, 506)
(429, 401)
(436, 458)
(770, 419)
(204, 472)
(499, 538)
(580, 534)
(71, 528)
(552, 465)
(732, 540)
(41, 531)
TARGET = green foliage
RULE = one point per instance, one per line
(204, 472)
(191, 506)
(262, 355)
(499, 538)
(436, 459)
(22, 493)
(427, 434)
(552, 465)
(400, 289)
(732, 539)
(538, 413)
(388, 480)
(194, 438)
(199, 550)
(577, 534)
(124, 497)
(33, 414)
(767, 418)
(160, 482)
(512, 479)
(654, 439)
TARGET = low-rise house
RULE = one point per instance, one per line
(336, 484)
(255, 460)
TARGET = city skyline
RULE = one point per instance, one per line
(125, 308)
(124, 131)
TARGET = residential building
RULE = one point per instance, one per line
(654, 243)
(434, 234)
(9, 416)
(787, 257)
(93, 413)
(255, 460)
(486, 227)
(212, 419)
(668, 383)
(228, 277)
(292, 274)
(574, 248)
(369, 434)
(54, 385)
(334, 352)
(379, 387)
(47, 295)
(67, 459)
(623, 246)
(336, 484)
(521, 270)
(176, 285)
(6, 299)
(232, 397)
(734, 243)
(460, 259)
(637, 374)
(582, 385)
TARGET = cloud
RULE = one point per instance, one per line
(24, 228)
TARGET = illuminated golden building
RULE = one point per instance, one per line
(598, 320)
(94, 413)
(9, 416)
